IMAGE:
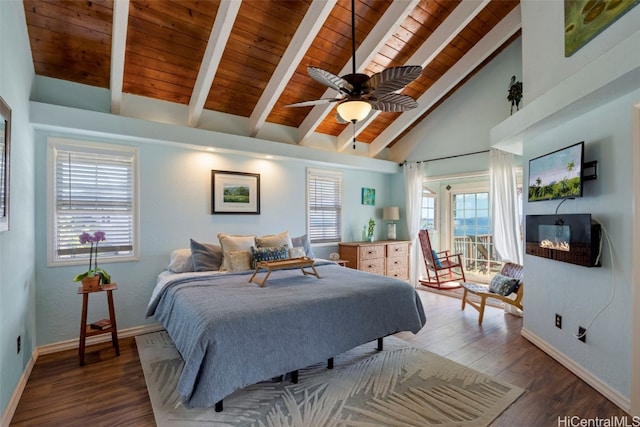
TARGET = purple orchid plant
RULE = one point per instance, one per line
(94, 270)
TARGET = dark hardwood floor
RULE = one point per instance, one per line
(110, 391)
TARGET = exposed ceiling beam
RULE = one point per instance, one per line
(478, 53)
(118, 49)
(386, 26)
(309, 27)
(226, 16)
(441, 37)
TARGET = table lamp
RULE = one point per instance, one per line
(391, 214)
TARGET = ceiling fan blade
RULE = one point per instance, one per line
(394, 103)
(314, 102)
(330, 79)
(393, 79)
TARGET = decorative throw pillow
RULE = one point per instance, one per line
(503, 285)
(297, 252)
(268, 254)
(205, 257)
(303, 241)
(436, 259)
(231, 243)
(239, 260)
(274, 240)
(180, 261)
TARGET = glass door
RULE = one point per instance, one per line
(471, 233)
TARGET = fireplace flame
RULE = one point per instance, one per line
(560, 246)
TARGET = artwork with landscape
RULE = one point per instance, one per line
(235, 192)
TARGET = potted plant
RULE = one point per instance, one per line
(372, 225)
(95, 276)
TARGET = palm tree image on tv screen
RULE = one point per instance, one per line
(556, 175)
(236, 194)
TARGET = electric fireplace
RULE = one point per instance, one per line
(572, 238)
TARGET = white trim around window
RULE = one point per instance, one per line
(91, 186)
(324, 205)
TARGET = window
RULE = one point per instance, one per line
(429, 209)
(324, 206)
(92, 187)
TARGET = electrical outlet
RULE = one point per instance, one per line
(18, 345)
(582, 334)
(558, 321)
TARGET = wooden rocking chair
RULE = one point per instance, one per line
(442, 268)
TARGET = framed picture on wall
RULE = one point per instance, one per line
(235, 192)
(368, 196)
(5, 150)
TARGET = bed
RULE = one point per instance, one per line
(232, 333)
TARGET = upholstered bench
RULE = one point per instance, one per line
(503, 284)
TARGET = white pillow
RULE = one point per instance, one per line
(231, 243)
(274, 240)
(297, 252)
(180, 261)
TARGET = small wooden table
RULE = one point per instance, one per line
(301, 262)
(86, 330)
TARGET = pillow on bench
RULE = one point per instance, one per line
(503, 285)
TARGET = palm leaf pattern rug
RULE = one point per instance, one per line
(399, 386)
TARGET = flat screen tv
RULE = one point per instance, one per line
(557, 175)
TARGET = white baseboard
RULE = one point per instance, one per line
(96, 339)
(17, 393)
(595, 382)
(61, 346)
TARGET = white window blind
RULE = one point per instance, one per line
(324, 206)
(94, 190)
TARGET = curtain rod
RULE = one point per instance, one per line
(448, 157)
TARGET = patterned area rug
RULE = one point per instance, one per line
(399, 386)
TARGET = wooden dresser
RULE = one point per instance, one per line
(386, 257)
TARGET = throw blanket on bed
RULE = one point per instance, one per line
(232, 333)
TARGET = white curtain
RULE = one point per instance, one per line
(413, 190)
(505, 216)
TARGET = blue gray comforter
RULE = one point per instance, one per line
(232, 334)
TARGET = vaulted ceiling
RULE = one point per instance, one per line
(249, 58)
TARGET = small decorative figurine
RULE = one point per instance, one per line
(515, 93)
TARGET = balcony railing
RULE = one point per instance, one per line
(478, 254)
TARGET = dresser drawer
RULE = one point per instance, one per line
(372, 252)
(395, 263)
(399, 273)
(397, 250)
(372, 265)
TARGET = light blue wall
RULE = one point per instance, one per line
(175, 200)
(579, 293)
(462, 123)
(17, 277)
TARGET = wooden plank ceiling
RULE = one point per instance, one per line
(249, 58)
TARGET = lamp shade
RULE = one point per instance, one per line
(391, 213)
(354, 111)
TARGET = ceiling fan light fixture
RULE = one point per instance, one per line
(354, 111)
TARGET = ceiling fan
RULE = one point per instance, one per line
(360, 93)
